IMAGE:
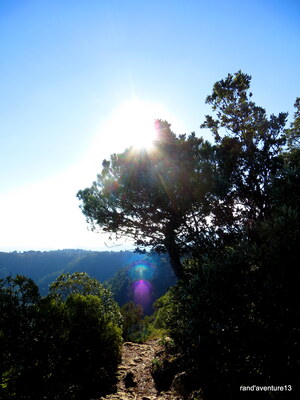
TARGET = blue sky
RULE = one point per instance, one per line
(70, 69)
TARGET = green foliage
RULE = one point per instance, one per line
(120, 286)
(18, 297)
(54, 349)
(93, 347)
(23, 291)
(139, 329)
(80, 283)
(133, 324)
(293, 133)
(157, 325)
(162, 307)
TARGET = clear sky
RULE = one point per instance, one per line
(74, 75)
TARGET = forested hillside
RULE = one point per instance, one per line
(44, 267)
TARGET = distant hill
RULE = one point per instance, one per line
(126, 284)
(45, 266)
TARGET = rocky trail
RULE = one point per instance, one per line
(135, 381)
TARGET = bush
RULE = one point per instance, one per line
(156, 324)
(235, 321)
(235, 318)
(55, 349)
(133, 323)
(92, 346)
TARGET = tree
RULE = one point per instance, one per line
(188, 197)
(91, 351)
(293, 133)
(18, 299)
(133, 321)
(57, 347)
(80, 283)
(237, 317)
(249, 148)
(158, 198)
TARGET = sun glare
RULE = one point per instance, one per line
(132, 124)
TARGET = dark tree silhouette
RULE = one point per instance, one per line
(158, 197)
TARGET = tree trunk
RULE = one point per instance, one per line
(175, 261)
(172, 247)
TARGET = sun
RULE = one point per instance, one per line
(132, 124)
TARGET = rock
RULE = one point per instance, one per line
(131, 344)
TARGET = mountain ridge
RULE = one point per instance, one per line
(109, 267)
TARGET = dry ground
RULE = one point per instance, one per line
(134, 374)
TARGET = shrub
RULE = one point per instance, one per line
(235, 321)
(55, 349)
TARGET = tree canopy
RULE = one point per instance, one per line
(249, 145)
(187, 196)
(157, 198)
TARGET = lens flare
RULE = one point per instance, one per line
(141, 273)
(142, 291)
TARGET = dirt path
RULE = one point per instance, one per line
(134, 374)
